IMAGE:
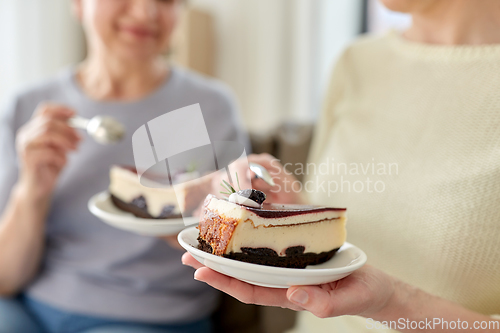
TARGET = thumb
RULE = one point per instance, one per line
(314, 299)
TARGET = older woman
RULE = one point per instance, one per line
(76, 274)
(425, 100)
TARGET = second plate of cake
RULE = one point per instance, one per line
(102, 206)
(152, 208)
(346, 260)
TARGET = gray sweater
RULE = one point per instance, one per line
(90, 267)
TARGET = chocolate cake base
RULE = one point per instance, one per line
(139, 209)
(295, 256)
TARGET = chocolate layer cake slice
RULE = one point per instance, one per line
(292, 236)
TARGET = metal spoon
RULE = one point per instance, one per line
(262, 173)
(105, 130)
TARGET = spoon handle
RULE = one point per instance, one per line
(78, 122)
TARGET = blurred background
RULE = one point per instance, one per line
(276, 56)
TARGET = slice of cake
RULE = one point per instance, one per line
(291, 236)
(156, 200)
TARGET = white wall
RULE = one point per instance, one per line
(277, 54)
(318, 31)
(37, 38)
(380, 19)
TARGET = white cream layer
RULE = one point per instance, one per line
(240, 213)
(238, 199)
(124, 184)
(316, 237)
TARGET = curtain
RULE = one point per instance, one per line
(37, 39)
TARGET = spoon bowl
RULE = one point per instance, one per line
(261, 173)
(103, 129)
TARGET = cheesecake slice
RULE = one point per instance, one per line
(292, 236)
(128, 194)
(153, 199)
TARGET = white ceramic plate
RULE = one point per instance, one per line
(101, 206)
(348, 259)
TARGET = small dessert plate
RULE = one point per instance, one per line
(348, 259)
(101, 206)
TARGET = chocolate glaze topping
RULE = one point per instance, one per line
(128, 167)
(270, 210)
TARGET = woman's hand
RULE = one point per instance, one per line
(43, 144)
(172, 241)
(367, 292)
(283, 192)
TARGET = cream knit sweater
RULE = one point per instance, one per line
(418, 128)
